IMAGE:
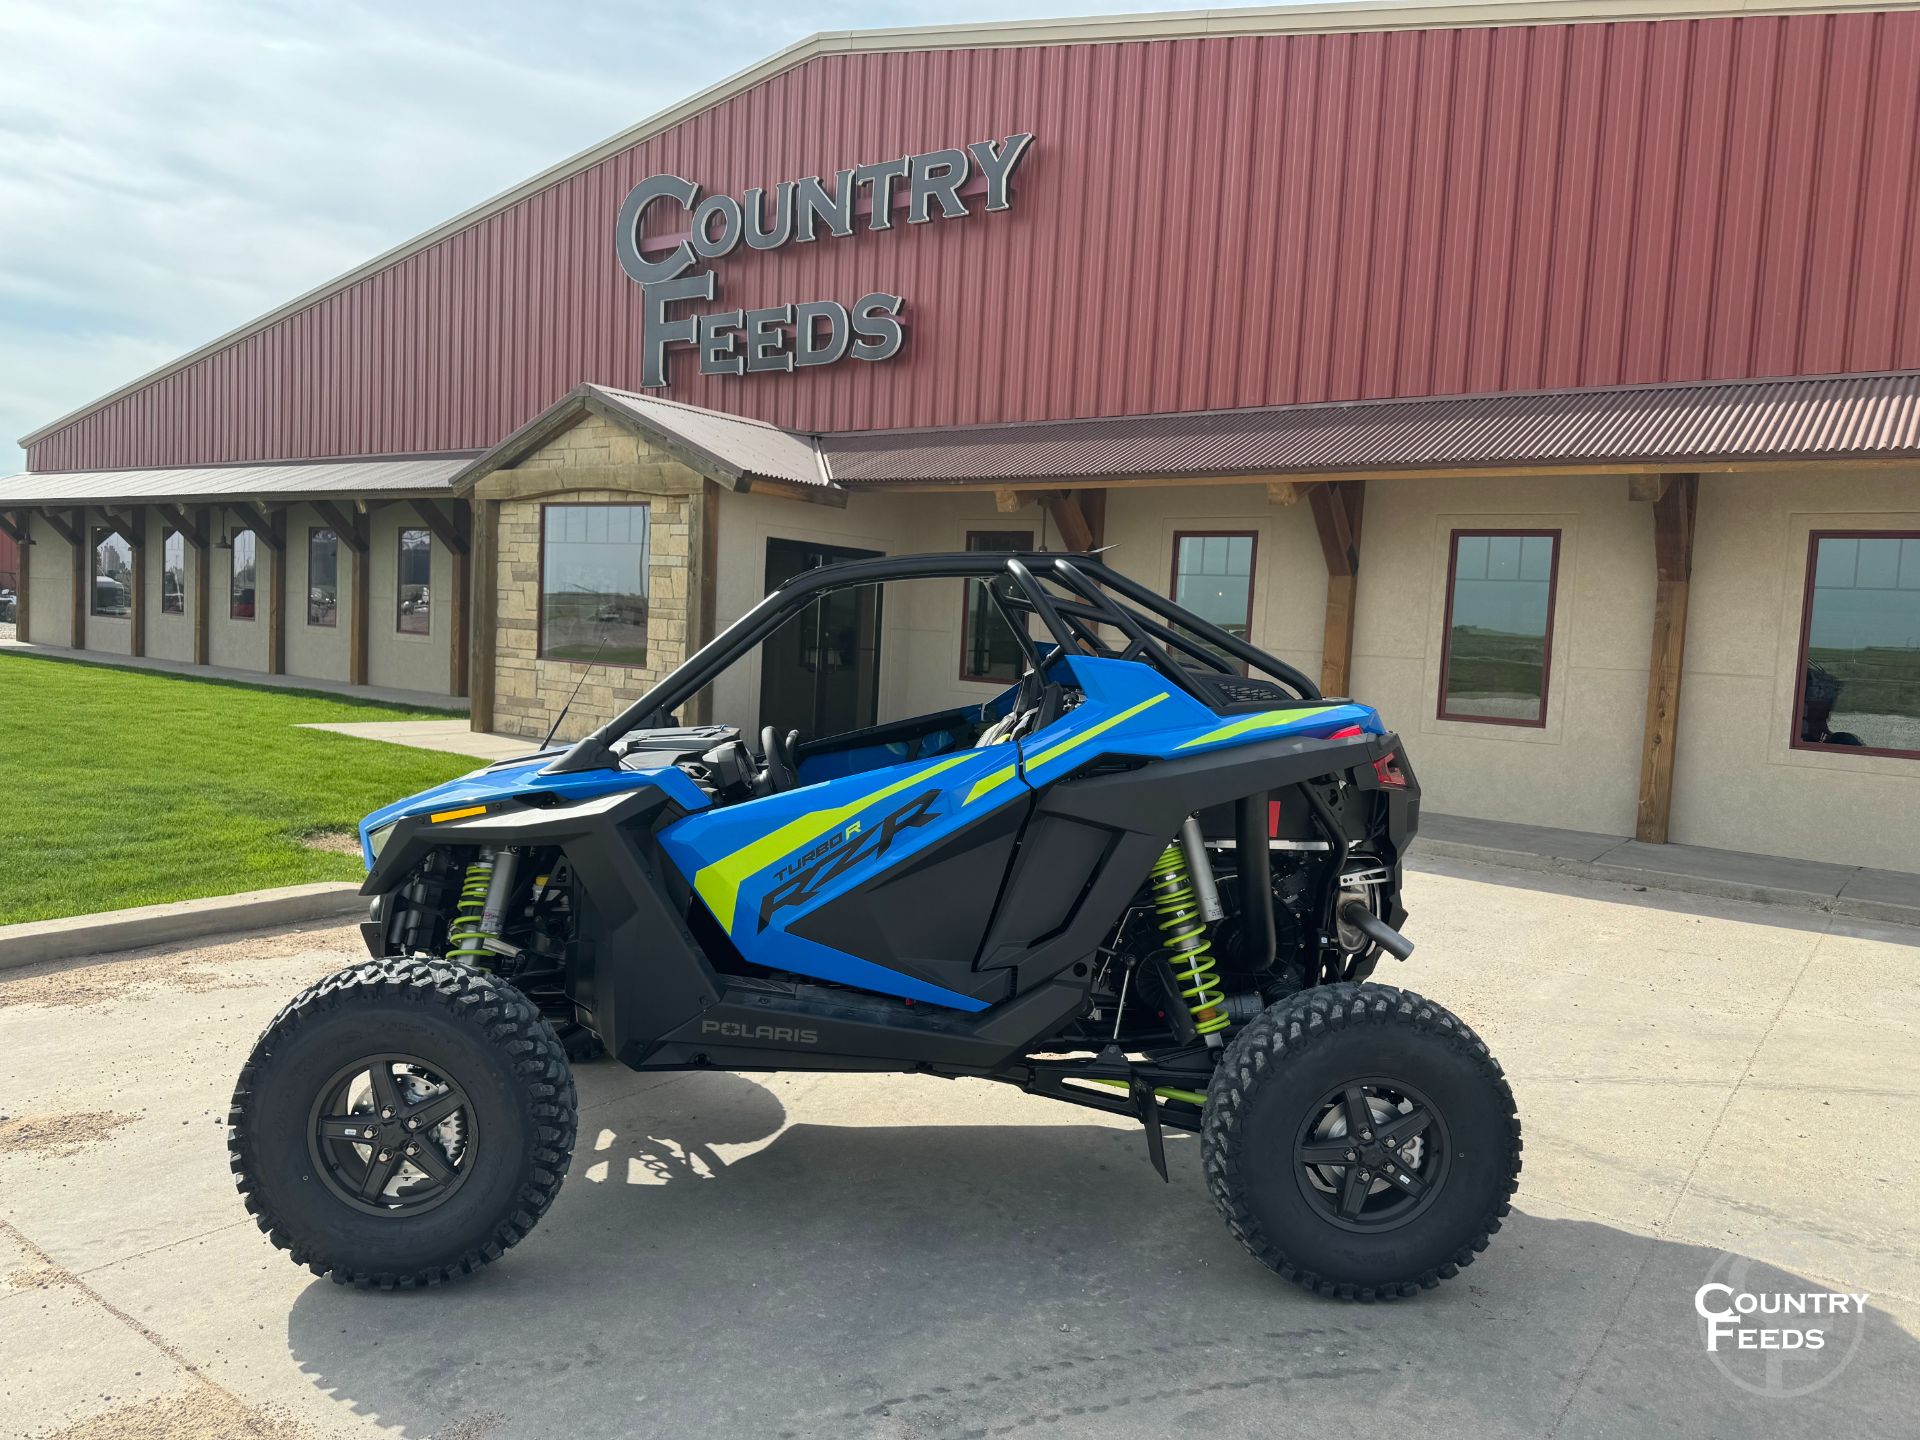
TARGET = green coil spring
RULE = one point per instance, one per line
(464, 936)
(1178, 915)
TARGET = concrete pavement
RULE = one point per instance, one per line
(801, 1256)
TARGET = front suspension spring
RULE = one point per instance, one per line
(1177, 912)
(465, 936)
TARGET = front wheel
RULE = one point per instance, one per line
(1361, 1141)
(402, 1123)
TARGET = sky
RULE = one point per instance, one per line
(169, 169)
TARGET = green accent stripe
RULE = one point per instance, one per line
(719, 883)
(1053, 752)
(1268, 720)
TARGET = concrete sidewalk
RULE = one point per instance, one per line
(1887, 895)
(386, 695)
(455, 737)
(1704, 1083)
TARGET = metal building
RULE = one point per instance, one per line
(1546, 372)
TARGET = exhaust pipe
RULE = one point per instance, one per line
(1357, 914)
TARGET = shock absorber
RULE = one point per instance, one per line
(467, 933)
(1178, 913)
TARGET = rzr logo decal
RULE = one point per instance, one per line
(832, 858)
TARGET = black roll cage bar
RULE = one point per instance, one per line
(1073, 623)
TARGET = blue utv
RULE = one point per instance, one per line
(1150, 878)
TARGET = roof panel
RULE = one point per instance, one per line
(215, 482)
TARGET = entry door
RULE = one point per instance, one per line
(820, 672)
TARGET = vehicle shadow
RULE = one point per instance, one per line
(708, 1272)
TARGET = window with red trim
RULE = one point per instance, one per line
(988, 649)
(1858, 685)
(1497, 650)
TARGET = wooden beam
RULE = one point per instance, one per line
(360, 613)
(63, 528)
(1063, 508)
(1282, 492)
(450, 530)
(483, 611)
(136, 535)
(1337, 508)
(202, 542)
(457, 609)
(1673, 528)
(350, 526)
(1647, 489)
(260, 520)
(275, 536)
(11, 523)
(1007, 502)
(77, 538)
(120, 520)
(177, 518)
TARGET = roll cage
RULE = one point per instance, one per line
(1072, 594)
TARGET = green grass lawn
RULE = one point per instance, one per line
(119, 787)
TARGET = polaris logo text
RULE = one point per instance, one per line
(736, 1030)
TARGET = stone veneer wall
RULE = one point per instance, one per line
(594, 461)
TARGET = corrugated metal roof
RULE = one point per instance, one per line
(215, 482)
(1839, 417)
(749, 448)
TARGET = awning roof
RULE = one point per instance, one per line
(1839, 417)
(191, 484)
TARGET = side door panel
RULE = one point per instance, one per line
(883, 880)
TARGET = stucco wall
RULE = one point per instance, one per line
(592, 462)
(405, 662)
(237, 644)
(1738, 784)
(321, 651)
(1581, 770)
(169, 637)
(49, 587)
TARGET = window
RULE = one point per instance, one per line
(416, 582)
(240, 601)
(112, 574)
(593, 583)
(1213, 577)
(1859, 685)
(323, 577)
(1499, 636)
(988, 648)
(173, 573)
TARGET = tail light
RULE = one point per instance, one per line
(1387, 769)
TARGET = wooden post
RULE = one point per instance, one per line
(1337, 507)
(486, 519)
(1071, 518)
(82, 578)
(136, 534)
(1673, 515)
(202, 543)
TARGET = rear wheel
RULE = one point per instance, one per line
(1361, 1141)
(402, 1123)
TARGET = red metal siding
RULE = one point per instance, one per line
(1341, 217)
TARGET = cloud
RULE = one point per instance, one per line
(170, 169)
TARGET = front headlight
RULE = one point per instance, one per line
(377, 838)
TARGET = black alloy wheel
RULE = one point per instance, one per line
(390, 1135)
(1372, 1154)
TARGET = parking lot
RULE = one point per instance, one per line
(1708, 1089)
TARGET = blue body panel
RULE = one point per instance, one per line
(761, 864)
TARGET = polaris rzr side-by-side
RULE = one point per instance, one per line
(1152, 878)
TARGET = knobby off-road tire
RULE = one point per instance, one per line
(1278, 1078)
(477, 1032)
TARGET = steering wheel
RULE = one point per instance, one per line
(780, 774)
